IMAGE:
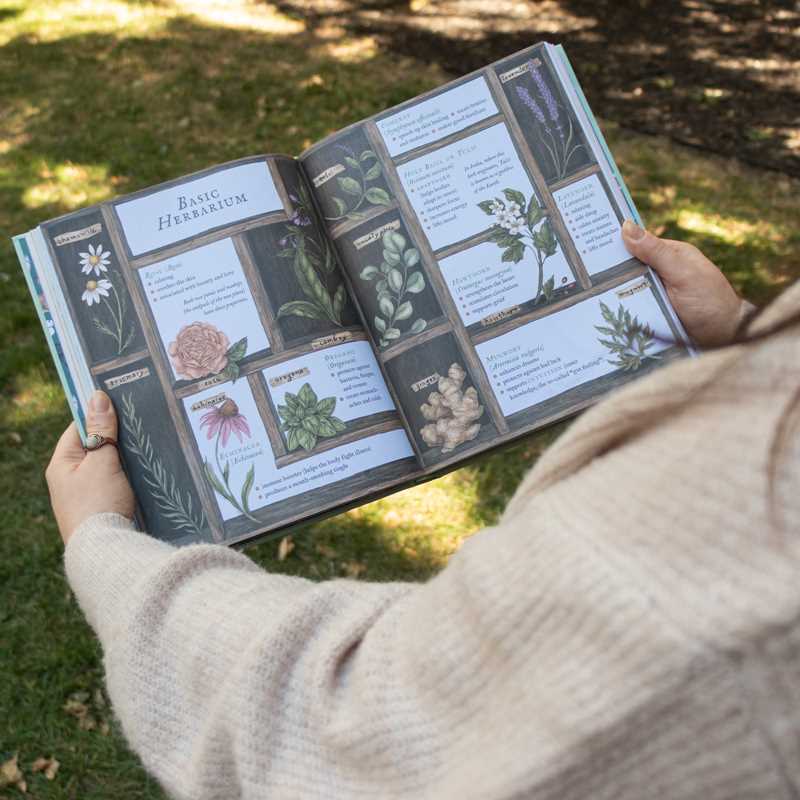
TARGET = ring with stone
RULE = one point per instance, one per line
(94, 441)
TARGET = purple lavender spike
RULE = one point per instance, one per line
(526, 98)
(547, 96)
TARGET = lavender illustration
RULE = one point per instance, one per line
(561, 145)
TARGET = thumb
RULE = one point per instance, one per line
(670, 259)
(101, 417)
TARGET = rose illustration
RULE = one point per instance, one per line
(199, 349)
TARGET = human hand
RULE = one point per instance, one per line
(705, 302)
(85, 483)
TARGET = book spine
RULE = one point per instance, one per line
(51, 334)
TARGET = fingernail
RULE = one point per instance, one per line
(99, 402)
(632, 230)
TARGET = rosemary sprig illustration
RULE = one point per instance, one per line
(175, 507)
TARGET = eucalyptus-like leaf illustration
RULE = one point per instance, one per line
(314, 267)
(176, 507)
(354, 190)
(627, 339)
(396, 281)
(521, 225)
(305, 418)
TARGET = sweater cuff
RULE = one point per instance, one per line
(104, 558)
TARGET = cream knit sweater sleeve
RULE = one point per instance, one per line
(630, 629)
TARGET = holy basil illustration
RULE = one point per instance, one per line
(521, 225)
(396, 280)
(355, 194)
(304, 418)
(626, 338)
(314, 267)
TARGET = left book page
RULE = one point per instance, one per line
(212, 310)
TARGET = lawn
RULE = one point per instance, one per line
(101, 98)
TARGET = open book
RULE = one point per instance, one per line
(287, 337)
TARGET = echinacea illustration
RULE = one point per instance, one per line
(96, 260)
(223, 421)
(521, 225)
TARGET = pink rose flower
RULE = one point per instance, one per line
(199, 349)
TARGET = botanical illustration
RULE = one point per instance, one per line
(201, 349)
(356, 193)
(561, 144)
(395, 281)
(304, 418)
(101, 290)
(314, 267)
(628, 340)
(176, 507)
(221, 421)
(452, 412)
(520, 225)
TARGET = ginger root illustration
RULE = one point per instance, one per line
(452, 412)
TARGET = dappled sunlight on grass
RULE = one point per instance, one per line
(70, 186)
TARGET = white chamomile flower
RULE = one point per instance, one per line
(96, 260)
(95, 290)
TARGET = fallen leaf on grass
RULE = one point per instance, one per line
(49, 766)
(285, 547)
(354, 568)
(76, 707)
(11, 774)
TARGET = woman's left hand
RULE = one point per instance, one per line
(84, 483)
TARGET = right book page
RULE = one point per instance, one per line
(479, 226)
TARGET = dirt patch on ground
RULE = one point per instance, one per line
(720, 75)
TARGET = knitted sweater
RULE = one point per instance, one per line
(630, 629)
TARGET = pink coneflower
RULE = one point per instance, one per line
(224, 419)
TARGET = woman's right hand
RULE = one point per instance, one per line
(704, 300)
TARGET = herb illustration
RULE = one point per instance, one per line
(101, 290)
(394, 285)
(175, 507)
(628, 340)
(201, 349)
(560, 145)
(354, 185)
(222, 421)
(520, 225)
(452, 412)
(305, 418)
(314, 267)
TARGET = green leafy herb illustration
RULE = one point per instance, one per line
(176, 507)
(305, 419)
(395, 281)
(354, 186)
(628, 340)
(520, 225)
(314, 267)
(223, 421)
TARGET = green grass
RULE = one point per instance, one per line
(107, 97)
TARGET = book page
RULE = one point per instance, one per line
(481, 237)
(213, 311)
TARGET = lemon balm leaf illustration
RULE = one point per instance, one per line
(378, 196)
(349, 185)
(300, 308)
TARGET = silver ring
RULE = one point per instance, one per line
(94, 441)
